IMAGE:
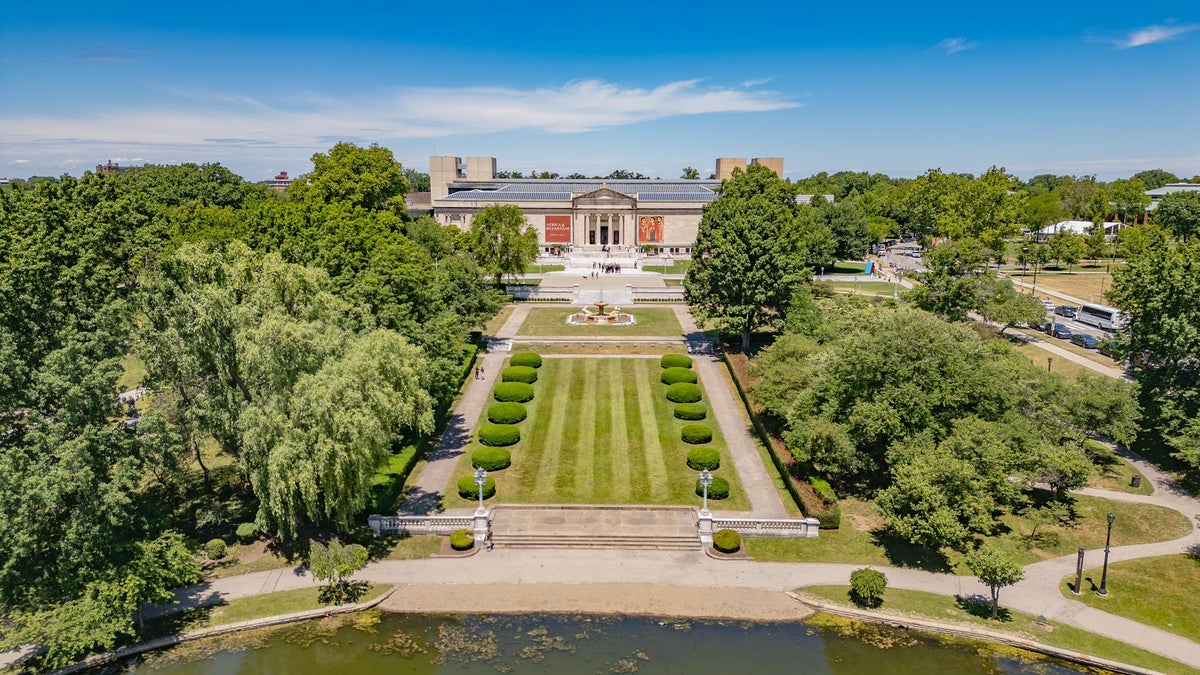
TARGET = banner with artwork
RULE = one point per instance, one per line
(558, 229)
(650, 229)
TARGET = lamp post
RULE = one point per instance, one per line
(1107, 540)
(480, 481)
(706, 480)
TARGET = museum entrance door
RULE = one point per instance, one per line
(603, 235)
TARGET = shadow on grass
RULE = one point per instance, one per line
(343, 592)
(981, 607)
(902, 553)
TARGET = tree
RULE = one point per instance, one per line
(867, 587)
(690, 174)
(335, 564)
(1067, 247)
(369, 178)
(500, 241)
(1155, 178)
(1139, 240)
(850, 228)
(949, 286)
(1096, 242)
(1128, 198)
(748, 256)
(418, 181)
(996, 570)
(1179, 214)
(1042, 210)
(1002, 304)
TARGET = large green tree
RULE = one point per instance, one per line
(1179, 214)
(369, 178)
(501, 241)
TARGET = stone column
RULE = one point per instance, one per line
(483, 524)
(705, 522)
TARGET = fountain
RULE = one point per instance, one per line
(601, 317)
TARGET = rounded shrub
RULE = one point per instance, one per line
(468, 490)
(517, 392)
(684, 392)
(690, 411)
(247, 532)
(695, 434)
(727, 541)
(462, 540)
(673, 375)
(499, 435)
(507, 413)
(528, 359)
(718, 490)
(699, 459)
(675, 361)
(867, 587)
(492, 459)
(215, 549)
(519, 374)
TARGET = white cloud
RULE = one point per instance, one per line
(20, 161)
(1153, 35)
(955, 45)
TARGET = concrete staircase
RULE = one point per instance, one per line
(605, 542)
(647, 528)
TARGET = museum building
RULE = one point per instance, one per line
(585, 214)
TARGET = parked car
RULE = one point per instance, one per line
(916, 254)
(1048, 305)
(1084, 340)
(1105, 347)
(1067, 311)
(1061, 331)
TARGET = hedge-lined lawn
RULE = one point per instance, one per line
(600, 431)
(651, 321)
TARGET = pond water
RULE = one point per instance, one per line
(402, 644)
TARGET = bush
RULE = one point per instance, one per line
(467, 489)
(673, 375)
(684, 392)
(518, 392)
(727, 541)
(506, 413)
(699, 459)
(499, 435)
(690, 411)
(867, 586)
(695, 434)
(519, 374)
(718, 490)
(247, 532)
(215, 549)
(462, 540)
(492, 459)
(675, 361)
(528, 359)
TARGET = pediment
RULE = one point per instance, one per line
(604, 196)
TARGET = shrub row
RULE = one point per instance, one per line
(675, 361)
(673, 375)
(727, 541)
(527, 359)
(718, 490)
(462, 540)
(684, 392)
(695, 434)
(491, 459)
(518, 392)
(468, 490)
(690, 411)
(499, 435)
(524, 374)
(699, 459)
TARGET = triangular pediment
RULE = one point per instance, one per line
(604, 195)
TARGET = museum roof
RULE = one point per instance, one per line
(527, 189)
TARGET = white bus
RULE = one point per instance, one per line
(1105, 318)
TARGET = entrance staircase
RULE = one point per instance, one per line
(655, 528)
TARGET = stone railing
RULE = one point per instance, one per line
(537, 293)
(420, 524)
(655, 294)
(760, 527)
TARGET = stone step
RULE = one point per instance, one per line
(623, 542)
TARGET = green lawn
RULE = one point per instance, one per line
(968, 613)
(680, 267)
(539, 269)
(1157, 591)
(601, 431)
(843, 267)
(880, 287)
(1116, 474)
(133, 371)
(254, 607)
(651, 321)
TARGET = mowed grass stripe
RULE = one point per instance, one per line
(582, 398)
(622, 468)
(677, 491)
(656, 456)
(549, 440)
(631, 382)
(602, 446)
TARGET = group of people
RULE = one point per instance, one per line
(479, 374)
(607, 268)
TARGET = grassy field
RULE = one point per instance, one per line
(651, 321)
(1116, 475)
(600, 431)
(614, 349)
(254, 607)
(877, 287)
(844, 267)
(1089, 354)
(133, 371)
(970, 613)
(863, 540)
(540, 269)
(497, 321)
(1063, 367)
(680, 267)
(1085, 285)
(1158, 591)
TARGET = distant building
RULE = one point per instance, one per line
(1077, 227)
(280, 182)
(1157, 194)
(807, 199)
(112, 168)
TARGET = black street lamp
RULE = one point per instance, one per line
(1107, 540)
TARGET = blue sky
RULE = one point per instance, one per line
(1096, 87)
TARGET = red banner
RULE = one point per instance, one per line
(650, 229)
(558, 229)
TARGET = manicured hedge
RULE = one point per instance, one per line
(519, 374)
(467, 489)
(718, 490)
(727, 541)
(690, 411)
(215, 549)
(673, 375)
(518, 392)
(247, 532)
(507, 413)
(492, 459)
(699, 459)
(462, 540)
(675, 361)
(695, 434)
(684, 392)
(499, 435)
(525, 359)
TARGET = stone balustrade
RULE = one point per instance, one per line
(443, 525)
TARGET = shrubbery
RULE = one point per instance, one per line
(499, 435)
(517, 392)
(867, 586)
(690, 411)
(528, 359)
(718, 490)
(247, 532)
(699, 459)
(215, 549)
(675, 361)
(467, 489)
(684, 392)
(506, 413)
(727, 541)
(695, 434)
(673, 375)
(524, 374)
(492, 459)
(462, 540)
